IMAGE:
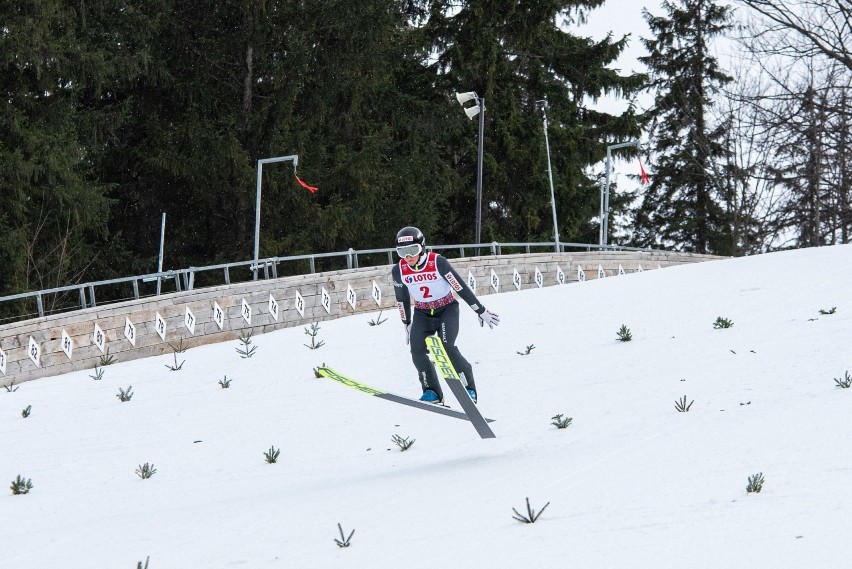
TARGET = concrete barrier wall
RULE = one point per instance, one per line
(43, 338)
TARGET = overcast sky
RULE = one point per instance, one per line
(621, 17)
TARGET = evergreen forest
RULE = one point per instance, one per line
(117, 111)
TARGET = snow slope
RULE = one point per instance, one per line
(630, 483)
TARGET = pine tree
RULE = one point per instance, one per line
(54, 208)
(682, 207)
(116, 111)
(515, 55)
(340, 84)
(368, 122)
(180, 152)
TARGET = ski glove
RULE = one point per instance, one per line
(407, 333)
(489, 318)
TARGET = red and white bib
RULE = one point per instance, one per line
(428, 288)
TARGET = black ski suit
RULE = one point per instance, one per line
(431, 283)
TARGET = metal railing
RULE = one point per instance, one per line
(150, 285)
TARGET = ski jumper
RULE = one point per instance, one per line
(430, 284)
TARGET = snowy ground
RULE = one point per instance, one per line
(631, 482)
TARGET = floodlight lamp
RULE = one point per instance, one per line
(463, 98)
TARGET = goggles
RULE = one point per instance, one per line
(409, 250)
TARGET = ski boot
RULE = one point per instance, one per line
(430, 396)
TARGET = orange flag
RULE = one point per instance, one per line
(311, 189)
(644, 175)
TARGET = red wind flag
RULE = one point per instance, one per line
(643, 174)
(311, 189)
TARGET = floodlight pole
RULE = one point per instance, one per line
(481, 102)
(479, 109)
(550, 176)
(260, 164)
(604, 225)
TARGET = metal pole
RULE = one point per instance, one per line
(257, 218)
(160, 260)
(601, 215)
(604, 233)
(260, 164)
(550, 177)
(605, 204)
(481, 102)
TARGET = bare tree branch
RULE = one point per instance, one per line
(825, 25)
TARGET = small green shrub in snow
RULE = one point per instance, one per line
(125, 395)
(272, 455)
(755, 483)
(377, 321)
(531, 516)
(21, 485)
(845, 383)
(26, 412)
(106, 359)
(722, 323)
(681, 406)
(146, 471)
(312, 332)
(403, 443)
(179, 349)
(246, 350)
(560, 422)
(343, 541)
(530, 348)
(825, 312)
(624, 334)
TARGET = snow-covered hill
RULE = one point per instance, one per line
(630, 483)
